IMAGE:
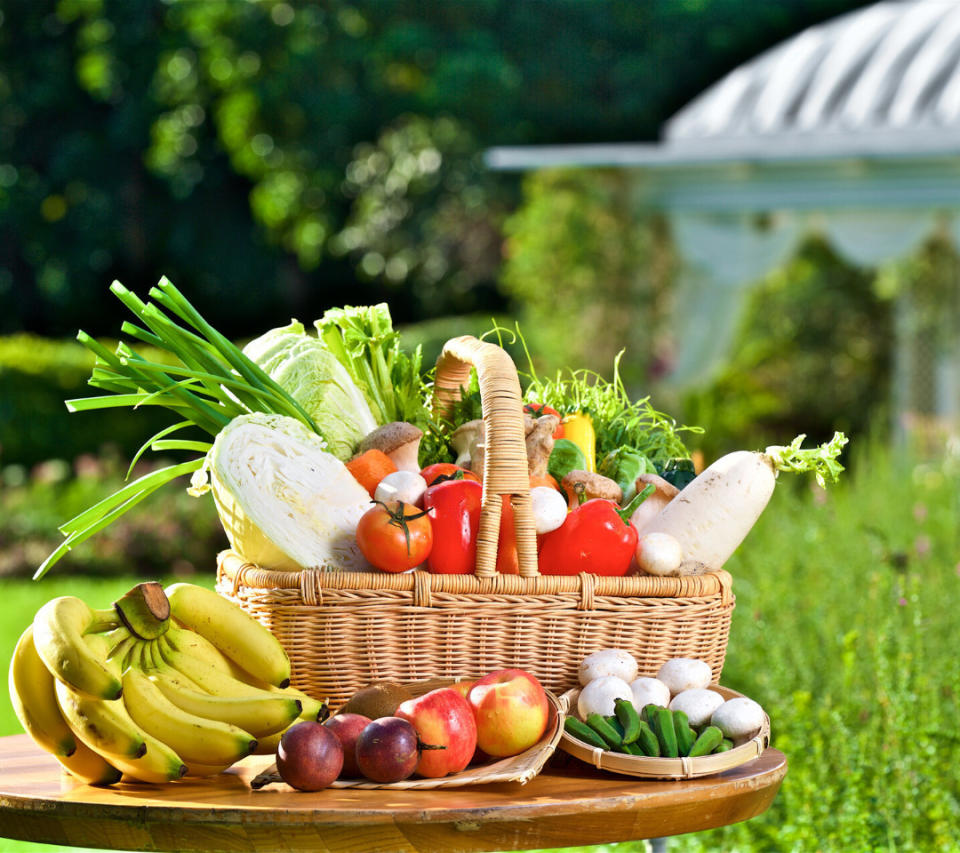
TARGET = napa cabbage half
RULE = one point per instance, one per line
(284, 501)
(306, 369)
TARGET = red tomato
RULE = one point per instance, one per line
(448, 471)
(395, 536)
(537, 409)
(454, 507)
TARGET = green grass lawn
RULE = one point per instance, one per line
(845, 625)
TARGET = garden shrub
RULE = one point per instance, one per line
(36, 376)
(170, 532)
(812, 354)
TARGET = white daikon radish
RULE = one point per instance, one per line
(713, 514)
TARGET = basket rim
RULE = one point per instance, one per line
(237, 572)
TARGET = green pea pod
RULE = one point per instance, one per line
(647, 740)
(710, 738)
(666, 734)
(629, 719)
(581, 731)
(686, 736)
(602, 727)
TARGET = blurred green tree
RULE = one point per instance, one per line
(221, 143)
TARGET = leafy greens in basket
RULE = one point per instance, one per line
(207, 383)
(337, 385)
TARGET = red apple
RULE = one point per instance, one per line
(444, 718)
(512, 711)
(462, 687)
(347, 728)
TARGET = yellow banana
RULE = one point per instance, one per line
(310, 708)
(58, 630)
(191, 643)
(193, 738)
(35, 701)
(102, 724)
(158, 764)
(232, 630)
(89, 766)
(260, 715)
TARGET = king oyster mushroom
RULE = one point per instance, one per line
(399, 440)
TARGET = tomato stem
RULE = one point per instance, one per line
(398, 518)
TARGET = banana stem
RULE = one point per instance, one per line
(103, 620)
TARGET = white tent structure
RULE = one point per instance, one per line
(851, 129)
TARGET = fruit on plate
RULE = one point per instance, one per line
(347, 728)
(512, 711)
(377, 699)
(442, 717)
(388, 750)
(164, 683)
(310, 756)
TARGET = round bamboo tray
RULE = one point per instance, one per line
(664, 768)
(519, 768)
(344, 630)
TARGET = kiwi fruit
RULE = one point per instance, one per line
(379, 699)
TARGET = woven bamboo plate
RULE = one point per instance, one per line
(516, 768)
(664, 768)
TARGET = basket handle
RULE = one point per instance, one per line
(505, 460)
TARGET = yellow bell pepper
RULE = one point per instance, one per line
(578, 428)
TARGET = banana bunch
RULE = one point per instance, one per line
(166, 684)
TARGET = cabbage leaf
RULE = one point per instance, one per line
(285, 503)
(305, 368)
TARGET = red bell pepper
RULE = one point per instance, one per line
(507, 561)
(538, 409)
(596, 537)
(454, 510)
(440, 471)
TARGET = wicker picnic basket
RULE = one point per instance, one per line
(344, 630)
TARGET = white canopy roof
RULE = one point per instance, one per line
(851, 128)
(863, 110)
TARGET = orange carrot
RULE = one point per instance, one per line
(370, 467)
(545, 480)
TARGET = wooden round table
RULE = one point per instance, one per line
(569, 803)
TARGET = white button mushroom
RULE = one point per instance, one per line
(738, 718)
(659, 554)
(549, 508)
(649, 691)
(600, 695)
(681, 674)
(698, 704)
(618, 662)
(405, 486)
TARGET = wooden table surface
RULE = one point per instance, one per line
(570, 803)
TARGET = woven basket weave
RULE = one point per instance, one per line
(344, 630)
